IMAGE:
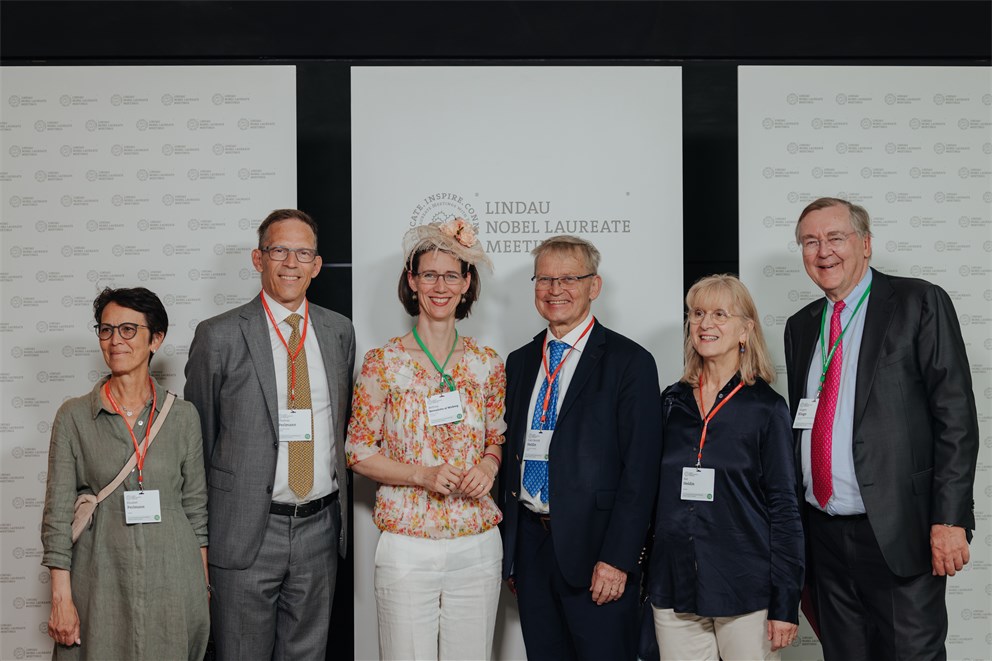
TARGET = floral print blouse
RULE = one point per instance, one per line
(389, 417)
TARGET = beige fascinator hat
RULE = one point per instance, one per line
(456, 236)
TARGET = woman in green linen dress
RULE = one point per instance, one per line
(139, 590)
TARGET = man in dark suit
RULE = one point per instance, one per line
(579, 476)
(887, 436)
(272, 383)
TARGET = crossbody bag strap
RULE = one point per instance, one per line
(110, 488)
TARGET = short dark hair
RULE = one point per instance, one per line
(285, 214)
(138, 299)
(462, 310)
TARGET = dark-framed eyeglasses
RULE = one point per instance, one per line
(431, 278)
(280, 253)
(565, 281)
(127, 330)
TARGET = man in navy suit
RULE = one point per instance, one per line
(579, 476)
(887, 442)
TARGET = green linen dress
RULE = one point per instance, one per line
(139, 589)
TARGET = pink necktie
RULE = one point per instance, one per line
(823, 422)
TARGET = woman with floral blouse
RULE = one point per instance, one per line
(427, 425)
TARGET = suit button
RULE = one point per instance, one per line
(268, 489)
(275, 445)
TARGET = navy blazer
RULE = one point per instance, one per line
(915, 442)
(605, 454)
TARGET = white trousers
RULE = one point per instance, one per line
(437, 598)
(683, 636)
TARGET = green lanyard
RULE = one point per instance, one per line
(445, 378)
(823, 329)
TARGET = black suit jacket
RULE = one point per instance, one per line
(605, 454)
(915, 440)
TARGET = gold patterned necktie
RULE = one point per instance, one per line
(300, 452)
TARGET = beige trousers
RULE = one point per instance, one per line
(684, 636)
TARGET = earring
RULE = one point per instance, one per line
(414, 295)
(463, 298)
(742, 347)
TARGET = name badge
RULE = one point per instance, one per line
(142, 507)
(295, 425)
(444, 408)
(537, 446)
(698, 483)
(805, 414)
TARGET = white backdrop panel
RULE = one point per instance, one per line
(121, 177)
(912, 145)
(523, 153)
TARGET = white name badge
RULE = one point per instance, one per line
(698, 483)
(142, 507)
(444, 408)
(295, 425)
(805, 413)
(538, 444)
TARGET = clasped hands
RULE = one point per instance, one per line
(447, 480)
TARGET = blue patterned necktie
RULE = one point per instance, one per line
(536, 471)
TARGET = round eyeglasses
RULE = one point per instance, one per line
(543, 282)
(719, 317)
(127, 330)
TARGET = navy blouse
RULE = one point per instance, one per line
(742, 551)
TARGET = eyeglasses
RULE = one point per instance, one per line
(834, 242)
(127, 330)
(566, 281)
(280, 253)
(431, 278)
(719, 317)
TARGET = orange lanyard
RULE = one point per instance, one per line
(707, 418)
(551, 377)
(139, 453)
(292, 356)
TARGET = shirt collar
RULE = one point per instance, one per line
(851, 300)
(279, 312)
(571, 338)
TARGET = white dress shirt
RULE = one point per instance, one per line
(324, 480)
(569, 361)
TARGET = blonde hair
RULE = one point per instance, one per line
(755, 361)
(566, 244)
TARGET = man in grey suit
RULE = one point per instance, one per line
(272, 383)
(887, 442)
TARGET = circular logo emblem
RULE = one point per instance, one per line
(243, 173)
(890, 99)
(66, 200)
(963, 173)
(219, 299)
(217, 99)
(245, 273)
(92, 225)
(914, 172)
(16, 352)
(841, 147)
(169, 299)
(167, 149)
(192, 124)
(218, 249)
(964, 271)
(793, 295)
(15, 151)
(67, 351)
(42, 327)
(168, 250)
(143, 225)
(767, 173)
(67, 251)
(866, 123)
(192, 174)
(64, 100)
(914, 123)
(194, 275)
(866, 173)
(14, 100)
(792, 148)
(792, 197)
(142, 174)
(65, 150)
(817, 172)
(90, 125)
(117, 200)
(243, 124)
(193, 224)
(218, 149)
(117, 250)
(792, 99)
(963, 123)
(143, 275)
(768, 221)
(841, 99)
(116, 100)
(890, 246)
(218, 199)
(39, 126)
(938, 99)
(769, 271)
(816, 123)
(40, 226)
(167, 99)
(915, 221)
(91, 175)
(168, 199)
(939, 197)
(939, 246)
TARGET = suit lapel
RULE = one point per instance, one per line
(254, 328)
(878, 317)
(328, 352)
(524, 388)
(588, 362)
(806, 344)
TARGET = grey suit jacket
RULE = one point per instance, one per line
(230, 378)
(915, 442)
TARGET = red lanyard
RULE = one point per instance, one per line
(707, 418)
(139, 453)
(299, 348)
(551, 377)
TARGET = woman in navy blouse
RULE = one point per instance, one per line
(726, 571)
